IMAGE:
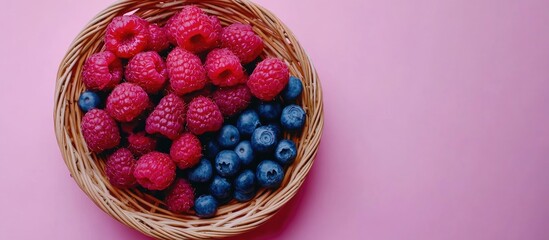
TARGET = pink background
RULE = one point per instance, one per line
(437, 124)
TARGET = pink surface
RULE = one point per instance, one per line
(436, 122)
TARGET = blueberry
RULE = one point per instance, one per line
(292, 90)
(244, 197)
(276, 128)
(227, 163)
(245, 152)
(212, 149)
(245, 181)
(228, 136)
(205, 206)
(270, 111)
(264, 139)
(269, 174)
(293, 117)
(247, 122)
(285, 152)
(88, 100)
(202, 172)
(220, 188)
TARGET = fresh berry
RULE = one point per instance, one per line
(126, 102)
(88, 100)
(245, 181)
(127, 35)
(212, 149)
(102, 71)
(220, 188)
(232, 100)
(168, 118)
(228, 136)
(180, 196)
(205, 206)
(202, 172)
(245, 152)
(147, 69)
(100, 131)
(247, 122)
(242, 40)
(155, 171)
(204, 92)
(119, 168)
(140, 144)
(185, 71)
(186, 151)
(224, 68)
(203, 116)
(193, 30)
(269, 174)
(269, 111)
(158, 40)
(268, 79)
(264, 139)
(244, 197)
(227, 163)
(285, 152)
(293, 118)
(292, 90)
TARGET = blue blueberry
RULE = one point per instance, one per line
(205, 206)
(269, 174)
(270, 111)
(285, 152)
(212, 149)
(245, 152)
(220, 188)
(88, 100)
(247, 122)
(227, 163)
(292, 90)
(293, 117)
(245, 181)
(228, 136)
(244, 197)
(264, 139)
(202, 172)
(276, 128)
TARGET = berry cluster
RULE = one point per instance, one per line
(176, 108)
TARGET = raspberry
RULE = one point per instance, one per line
(154, 171)
(100, 131)
(186, 151)
(193, 30)
(119, 169)
(205, 92)
(203, 116)
(185, 71)
(158, 38)
(102, 71)
(168, 118)
(232, 100)
(242, 41)
(224, 68)
(127, 35)
(180, 196)
(140, 144)
(269, 79)
(147, 69)
(126, 102)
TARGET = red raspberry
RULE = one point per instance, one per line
(126, 102)
(155, 171)
(242, 41)
(232, 100)
(205, 92)
(185, 71)
(127, 35)
(102, 71)
(119, 169)
(186, 151)
(147, 69)
(100, 130)
(193, 30)
(269, 79)
(224, 68)
(180, 196)
(158, 38)
(203, 116)
(139, 143)
(168, 118)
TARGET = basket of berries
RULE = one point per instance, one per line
(188, 119)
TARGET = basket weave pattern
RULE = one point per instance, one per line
(145, 212)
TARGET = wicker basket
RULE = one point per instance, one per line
(145, 212)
